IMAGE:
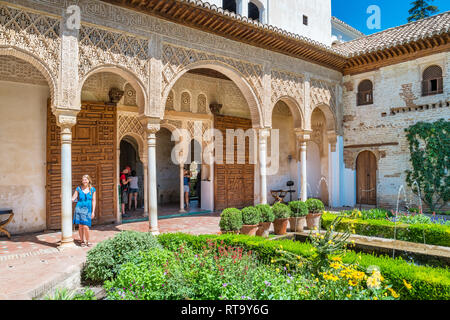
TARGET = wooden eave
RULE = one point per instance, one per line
(193, 15)
(198, 17)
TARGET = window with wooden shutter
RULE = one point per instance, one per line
(432, 81)
(365, 93)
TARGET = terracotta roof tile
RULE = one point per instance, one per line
(425, 28)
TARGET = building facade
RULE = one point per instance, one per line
(75, 98)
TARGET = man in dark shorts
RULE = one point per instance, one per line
(124, 181)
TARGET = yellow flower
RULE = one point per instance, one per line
(352, 283)
(272, 261)
(277, 270)
(375, 298)
(393, 293)
(407, 285)
(337, 259)
(298, 257)
(331, 227)
(349, 295)
(373, 282)
(335, 265)
(287, 265)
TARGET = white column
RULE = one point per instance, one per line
(152, 127)
(263, 134)
(66, 122)
(146, 188)
(304, 193)
(182, 188)
(242, 8)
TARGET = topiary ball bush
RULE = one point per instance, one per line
(281, 211)
(266, 211)
(315, 205)
(104, 260)
(251, 216)
(230, 220)
(298, 209)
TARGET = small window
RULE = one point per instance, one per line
(432, 82)
(229, 5)
(253, 11)
(365, 93)
(305, 20)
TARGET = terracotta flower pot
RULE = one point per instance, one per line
(313, 220)
(249, 229)
(263, 229)
(280, 226)
(297, 224)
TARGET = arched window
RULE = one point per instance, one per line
(365, 93)
(229, 5)
(253, 11)
(432, 82)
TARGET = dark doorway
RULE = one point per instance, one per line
(129, 156)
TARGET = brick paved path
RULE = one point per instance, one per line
(30, 263)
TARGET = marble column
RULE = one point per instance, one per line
(152, 127)
(263, 135)
(182, 188)
(303, 136)
(145, 164)
(66, 121)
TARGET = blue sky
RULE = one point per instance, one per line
(393, 12)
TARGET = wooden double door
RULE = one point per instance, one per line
(233, 183)
(366, 178)
(93, 153)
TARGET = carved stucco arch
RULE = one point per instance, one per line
(294, 108)
(330, 117)
(137, 142)
(129, 76)
(39, 65)
(239, 80)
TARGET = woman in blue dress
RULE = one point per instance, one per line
(85, 208)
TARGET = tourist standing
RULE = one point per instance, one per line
(187, 178)
(134, 190)
(124, 186)
(84, 195)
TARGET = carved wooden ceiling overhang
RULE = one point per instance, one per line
(397, 54)
(209, 18)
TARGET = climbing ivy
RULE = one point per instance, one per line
(429, 145)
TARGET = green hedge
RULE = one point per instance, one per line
(435, 234)
(428, 283)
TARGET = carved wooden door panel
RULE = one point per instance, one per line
(233, 183)
(93, 153)
(366, 180)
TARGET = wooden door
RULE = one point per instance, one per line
(233, 183)
(93, 153)
(366, 179)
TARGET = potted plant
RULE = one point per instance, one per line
(282, 214)
(299, 211)
(251, 217)
(230, 221)
(267, 217)
(315, 208)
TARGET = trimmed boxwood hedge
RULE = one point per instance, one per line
(435, 234)
(428, 283)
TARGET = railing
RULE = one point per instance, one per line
(432, 86)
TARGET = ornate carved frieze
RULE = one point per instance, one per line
(101, 47)
(130, 124)
(201, 104)
(129, 95)
(175, 59)
(170, 102)
(323, 92)
(185, 102)
(34, 33)
(287, 84)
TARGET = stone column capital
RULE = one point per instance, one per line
(332, 139)
(151, 125)
(65, 119)
(264, 132)
(303, 135)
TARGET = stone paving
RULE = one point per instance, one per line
(31, 263)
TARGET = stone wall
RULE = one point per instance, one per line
(23, 118)
(379, 127)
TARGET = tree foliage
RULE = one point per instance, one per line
(429, 145)
(421, 9)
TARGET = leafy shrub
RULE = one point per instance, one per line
(266, 211)
(251, 216)
(281, 211)
(105, 259)
(230, 220)
(222, 272)
(434, 234)
(298, 209)
(416, 219)
(314, 205)
(427, 283)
